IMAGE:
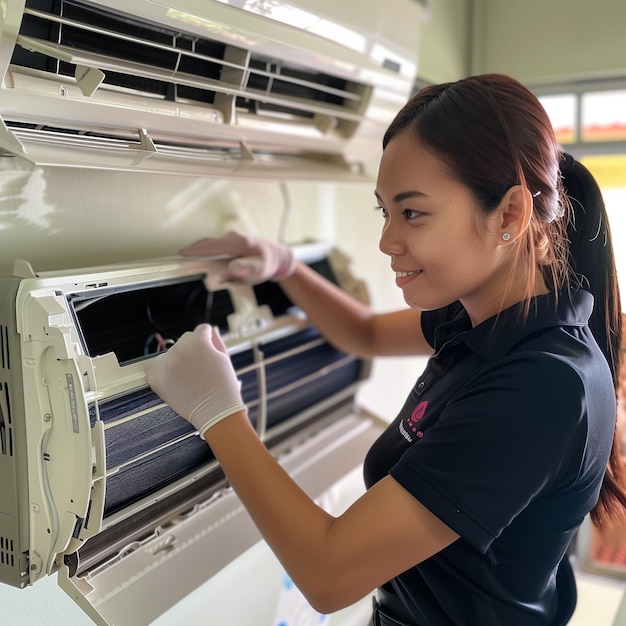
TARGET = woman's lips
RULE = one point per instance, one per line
(403, 278)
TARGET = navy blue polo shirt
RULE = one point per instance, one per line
(505, 437)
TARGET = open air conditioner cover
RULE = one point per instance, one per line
(300, 89)
(102, 482)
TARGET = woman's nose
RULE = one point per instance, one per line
(390, 243)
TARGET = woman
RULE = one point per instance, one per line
(501, 449)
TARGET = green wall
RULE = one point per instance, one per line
(536, 41)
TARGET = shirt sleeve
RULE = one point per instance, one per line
(504, 437)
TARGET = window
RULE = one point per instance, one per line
(562, 109)
(589, 121)
(603, 116)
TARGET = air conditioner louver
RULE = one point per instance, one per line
(151, 61)
(214, 91)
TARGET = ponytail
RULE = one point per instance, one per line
(593, 268)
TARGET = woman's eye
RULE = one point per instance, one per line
(410, 214)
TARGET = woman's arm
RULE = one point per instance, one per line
(334, 561)
(351, 325)
(347, 323)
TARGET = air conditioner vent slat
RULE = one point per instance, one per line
(6, 422)
(90, 38)
(5, 357)
(7, 551)
(149, 59)
(263, 76)
(224, 156)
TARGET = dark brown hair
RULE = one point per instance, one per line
(493, 133)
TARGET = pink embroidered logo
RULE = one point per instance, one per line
(416, 416)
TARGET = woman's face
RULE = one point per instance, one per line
(442, 247)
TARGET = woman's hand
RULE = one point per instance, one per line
(254, 260)
(196, 378)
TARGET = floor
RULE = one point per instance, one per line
(601, 579)
(599, 600)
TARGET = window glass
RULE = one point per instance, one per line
(603, 115)
(561, 110)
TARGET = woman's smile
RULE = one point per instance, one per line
(403, 278)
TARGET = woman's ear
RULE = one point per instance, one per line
(515, 211)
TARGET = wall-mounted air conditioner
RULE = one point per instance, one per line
(100, 481)
(217, 87)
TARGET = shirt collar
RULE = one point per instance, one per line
(497, 336)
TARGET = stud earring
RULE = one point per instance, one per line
(506, 236)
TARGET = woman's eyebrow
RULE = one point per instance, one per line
(404, 195)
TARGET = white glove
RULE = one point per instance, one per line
(255, 260)
(196, 378)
